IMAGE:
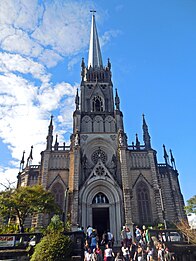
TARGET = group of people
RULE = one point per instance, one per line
(98, 248)
(143, 248)
(140, 249)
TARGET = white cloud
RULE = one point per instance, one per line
(107, 36)
(50, 58)
(17, 63)
(8, 177)
(46, 31)
(35, 35)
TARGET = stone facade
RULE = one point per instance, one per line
(99, 179)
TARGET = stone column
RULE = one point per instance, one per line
(74, 185)
(126, 188)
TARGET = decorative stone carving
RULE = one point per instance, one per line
(113, 137)
(84, 137)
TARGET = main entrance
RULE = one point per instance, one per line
(101, 220)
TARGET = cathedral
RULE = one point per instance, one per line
(101, 180)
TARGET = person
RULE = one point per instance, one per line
(125, 252)
(110, 238)
(93, 240)
(98, 253)
(160, 252)
(108, 253)
(139, 253)
(132, 250)
(88, 256)
(104, 240)
(124, 236)
(88, 234)
(167, 255)
(129, 237)
(86, 247)
(149, 251)
(118, 257)
(137, 234)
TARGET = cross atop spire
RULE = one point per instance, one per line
(93, 11)
(94, 56)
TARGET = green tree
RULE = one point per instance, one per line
(25, 201)
(54, 246)
(191, 205)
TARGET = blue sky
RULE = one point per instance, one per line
(152, 48)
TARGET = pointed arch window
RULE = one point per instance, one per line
(58, 193)
(144, 206)
(100, 198)
(97, 104)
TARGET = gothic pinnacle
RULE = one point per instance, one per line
(146, 135)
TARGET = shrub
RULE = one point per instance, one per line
(53, 247)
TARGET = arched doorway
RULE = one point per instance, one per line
(101, 206)
(100, 213)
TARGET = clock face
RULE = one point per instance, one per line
(99, 154)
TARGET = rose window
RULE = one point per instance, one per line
(99, 154)
(100, 171)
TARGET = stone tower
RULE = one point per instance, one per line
(99, 179)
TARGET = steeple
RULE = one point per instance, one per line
(49, 138)
(146, 135)
(94, 57)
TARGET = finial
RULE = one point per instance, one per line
(109, 64)
(56, 145)
(117, 101)
(93, 11)
(146, 135)
(172, 160)
(30, 158)
(77, 100)
(49, 138)
(22, 161)
(166, 157)
(137, 143)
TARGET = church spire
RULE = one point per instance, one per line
(50, 135)
(94, 57)
(146, 135)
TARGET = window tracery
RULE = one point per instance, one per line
(58, 192)
(97, 104)
(100, 198)
(99, 154)
(100, 171)
(144, 206)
